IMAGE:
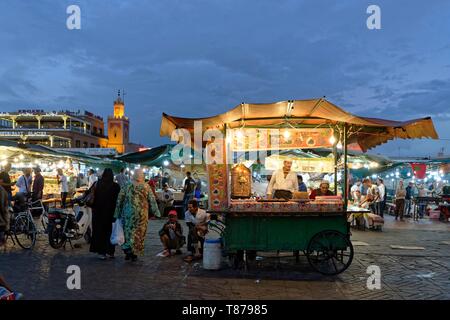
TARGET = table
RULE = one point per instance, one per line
(355, 213)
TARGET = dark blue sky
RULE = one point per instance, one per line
(203, 57)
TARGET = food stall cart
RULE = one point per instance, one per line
(319, 228)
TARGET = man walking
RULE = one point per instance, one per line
(121, 179)
(408, 198)
(5, 181)
(189, 190)
(38, 185)
(381, 202)
(63, 187)
(24, 183)
(4, 214)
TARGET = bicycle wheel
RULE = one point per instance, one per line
(25, 231)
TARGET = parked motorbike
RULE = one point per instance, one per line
(69, 225)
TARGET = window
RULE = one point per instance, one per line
(85, 144)
(92, 145)
(77, 144)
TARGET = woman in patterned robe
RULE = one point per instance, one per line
(133, 204)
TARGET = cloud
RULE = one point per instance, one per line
(200, 58)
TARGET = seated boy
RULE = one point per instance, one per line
(171, 235)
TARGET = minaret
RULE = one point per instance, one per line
(119, 107)
(118, 127)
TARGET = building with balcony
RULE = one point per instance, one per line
(68, 129)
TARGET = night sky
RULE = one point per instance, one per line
(199, 58)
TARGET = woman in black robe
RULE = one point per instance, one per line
(105, 198)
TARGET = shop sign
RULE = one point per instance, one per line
(249, 139)
(302, 165)
(18, 133)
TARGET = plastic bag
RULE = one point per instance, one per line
(117, 235)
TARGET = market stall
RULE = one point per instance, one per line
(156, 163)
(317, 227)
(49, 160)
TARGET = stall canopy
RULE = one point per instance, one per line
(365, 132)
(152, 157)
(10, 148)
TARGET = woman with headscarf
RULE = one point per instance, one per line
(133, 204)
(105, 198)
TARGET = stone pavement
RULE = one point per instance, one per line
(405, 274)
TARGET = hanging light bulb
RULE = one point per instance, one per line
(286, 134)
(21, 157)
(166, 163)
(339, 145)
(332, 140)
(239, 134)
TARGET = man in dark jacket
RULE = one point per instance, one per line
(4, 214)
(408, 198)
(38, 185)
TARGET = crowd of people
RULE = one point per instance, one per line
(133, 200)
(133, 203)
(371, 195)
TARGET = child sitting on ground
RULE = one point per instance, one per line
(171, 235)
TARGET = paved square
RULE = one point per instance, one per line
(405, 274)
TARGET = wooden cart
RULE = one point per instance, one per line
(324, 238)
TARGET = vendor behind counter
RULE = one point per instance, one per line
(323, 190)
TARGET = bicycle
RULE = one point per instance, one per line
(22, 225)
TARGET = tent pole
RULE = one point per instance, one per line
(345, 166)
(335, 157)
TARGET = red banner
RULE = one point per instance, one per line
(419, 169)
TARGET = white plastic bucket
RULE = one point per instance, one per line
(212, 254)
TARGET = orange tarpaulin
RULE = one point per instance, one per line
(365, 132)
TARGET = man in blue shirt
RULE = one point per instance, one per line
(301, 185)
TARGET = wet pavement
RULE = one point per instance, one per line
(405, 274)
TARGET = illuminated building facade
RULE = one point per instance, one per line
(68, 129)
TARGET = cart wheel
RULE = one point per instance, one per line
(330, 252)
